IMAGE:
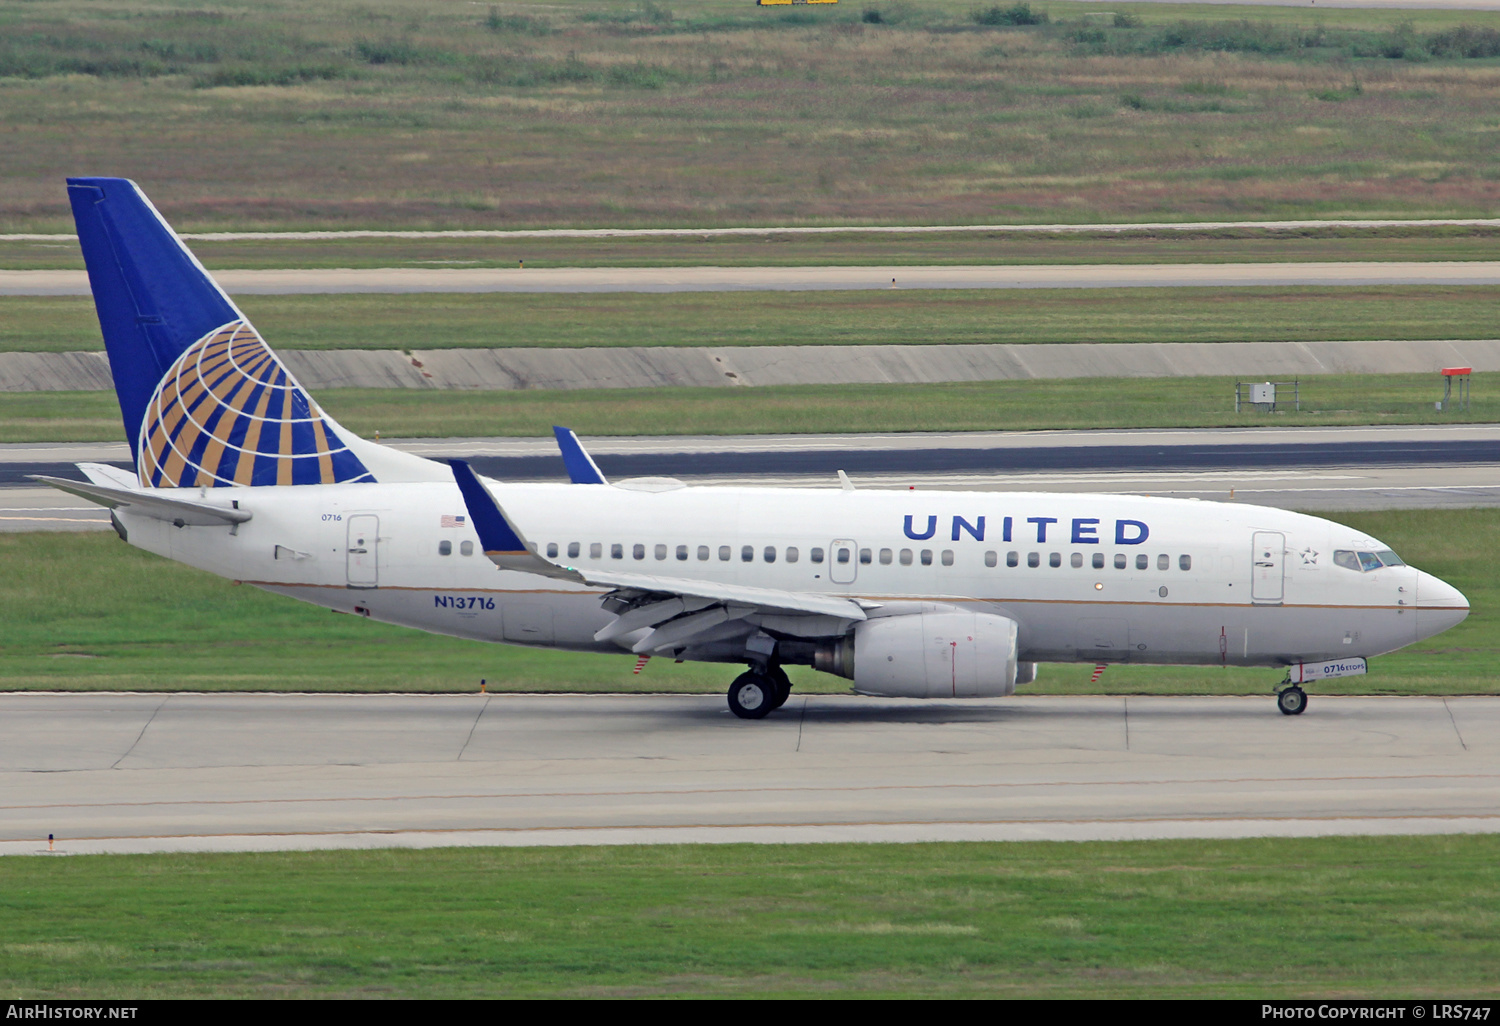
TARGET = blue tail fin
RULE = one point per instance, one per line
(205, 401)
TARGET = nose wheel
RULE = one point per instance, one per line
(1292, 701)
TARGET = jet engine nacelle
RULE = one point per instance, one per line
(930, 655)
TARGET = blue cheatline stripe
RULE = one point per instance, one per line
(495, 533)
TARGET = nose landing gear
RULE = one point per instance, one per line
(1291, 700)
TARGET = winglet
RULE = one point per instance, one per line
(581, 466)
(504, 545)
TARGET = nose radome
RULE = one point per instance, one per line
(1439, 605)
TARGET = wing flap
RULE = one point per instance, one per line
(767, 599)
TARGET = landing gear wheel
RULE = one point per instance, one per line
(782, 683)
(1291, 701)
(751, 696)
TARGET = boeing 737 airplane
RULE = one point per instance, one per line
(906, 593)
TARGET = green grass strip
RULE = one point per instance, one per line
(914, 317)
(1394, 917)
(85, 612)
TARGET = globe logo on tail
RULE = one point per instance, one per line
(228, 412)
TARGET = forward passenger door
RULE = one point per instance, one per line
(1268, 558)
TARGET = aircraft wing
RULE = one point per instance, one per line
(679, 610)
(581, 466)
(181, 512)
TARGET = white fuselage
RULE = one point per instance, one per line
(1181, 581)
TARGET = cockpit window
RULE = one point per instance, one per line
(1364, 562)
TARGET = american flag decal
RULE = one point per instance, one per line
(451, 521)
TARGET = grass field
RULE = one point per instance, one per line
(86, 612)
(1390, 917)
(914, 317)
(610, 112)
(815, 409)
(1131, 247)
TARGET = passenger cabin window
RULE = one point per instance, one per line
(638, 551)
(1098, 561)
(1142, 561)
(770, 554)
(682, 552)
(1119, 561)
(445, 548)
(926, 557)
(1012, 559)
(1163, 562)
(991, 558)
(865, 556)
(466, 548)
(842, 554)
(886, 556)
(723, 553)
(702, 553)
(906, 557)
(815, 554)
(617, 551)
(792, 554)
(1184, 562)
(747, 554)
(572, 550)
(661, 552)
(947, 557)
(552, 550)
(1033, 559)
(596, 550)
(1077, 560)
(1055, 559)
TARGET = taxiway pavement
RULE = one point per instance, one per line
(185, 772)
(800, 279)
(1318, 469)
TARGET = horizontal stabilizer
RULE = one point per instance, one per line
(180, 512)
(110, 477)
(581, 466)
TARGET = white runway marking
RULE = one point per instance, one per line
(120, 773)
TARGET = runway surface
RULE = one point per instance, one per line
(797, 279)
(134, 773)
(1317, 469)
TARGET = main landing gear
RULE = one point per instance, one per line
(757, 692)
(1291, 700)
